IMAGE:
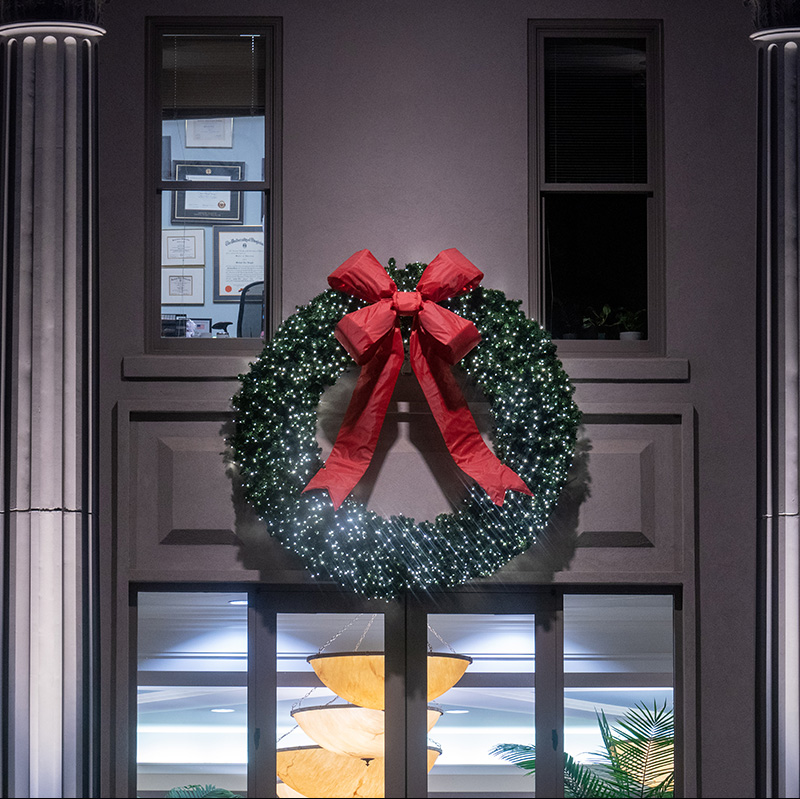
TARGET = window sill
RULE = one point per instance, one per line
(626, 370)
(579, 369)
(186, 367)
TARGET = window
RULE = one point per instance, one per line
(596, 187)
(191, 690)
(214, 125)
(258, 689)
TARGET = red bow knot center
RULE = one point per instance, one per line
(407, 303)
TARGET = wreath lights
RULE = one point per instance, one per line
(535, 422)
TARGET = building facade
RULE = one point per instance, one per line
(404, 128)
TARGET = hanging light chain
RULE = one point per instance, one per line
(344, 629)
(366, 630)
(430, 648)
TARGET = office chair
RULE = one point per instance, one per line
(250, 323)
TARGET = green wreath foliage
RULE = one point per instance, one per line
(535, 423)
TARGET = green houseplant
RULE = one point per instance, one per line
(201, 792)
(629, 321)
(637, 759)
(600, 320)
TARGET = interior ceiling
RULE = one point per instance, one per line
(197, 633)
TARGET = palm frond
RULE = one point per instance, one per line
(638, 760)
(200, 792)
(582, 782)
(640, 750)
(522, 755)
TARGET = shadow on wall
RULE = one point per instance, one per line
(555, 547)
(420, 474)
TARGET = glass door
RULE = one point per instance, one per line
(619, 687)
(191, 724)
(491, 705)
(325, 694)
(330, 724)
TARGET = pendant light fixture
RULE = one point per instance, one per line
(315, 772)
(350, 729)
(358, 676)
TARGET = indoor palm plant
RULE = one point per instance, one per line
(637, 759)
(200, 792)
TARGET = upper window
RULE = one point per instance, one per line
(596, 184)
(214, 124)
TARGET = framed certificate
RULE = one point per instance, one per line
(209, 132)
(207, 206)
(238, 260)
(183, 247)
(182, 285)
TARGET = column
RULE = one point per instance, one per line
(48, 403)
(779, 405)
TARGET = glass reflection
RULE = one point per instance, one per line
(213, 274)
(191, 691)
(618, 660)
(326, 745)
(493, 703)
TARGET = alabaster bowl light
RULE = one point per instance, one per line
(285, 792)
(349, 729)
(316, 772)
(357, 677)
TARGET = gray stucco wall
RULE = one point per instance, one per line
(405, 130)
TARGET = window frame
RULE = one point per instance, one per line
(405, 630)
(270, 186)
(652, 31)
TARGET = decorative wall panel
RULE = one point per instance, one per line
(184, 514)
(627, 512)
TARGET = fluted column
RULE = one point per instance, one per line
(47, 373)
(779, 406)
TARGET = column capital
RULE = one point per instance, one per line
(769, 36)
(41, 29)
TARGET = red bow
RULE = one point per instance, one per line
(439, 338)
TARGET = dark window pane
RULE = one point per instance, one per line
(212, 76)
(595, 255)
(595, 110)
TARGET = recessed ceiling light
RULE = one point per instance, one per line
(222, 710)
(456, 711)
(237, 601)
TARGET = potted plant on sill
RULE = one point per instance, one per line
(598, 321)
(630, 323)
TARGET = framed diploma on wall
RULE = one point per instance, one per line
(209, 132)
(183, 247)
(182, 285)
(208, 205)
(238, 260)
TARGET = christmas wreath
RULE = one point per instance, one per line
(515, 366)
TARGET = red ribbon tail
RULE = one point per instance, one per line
(457, 425)
(361, 427)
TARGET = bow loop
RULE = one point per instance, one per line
(363, 276)
(448, 275)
